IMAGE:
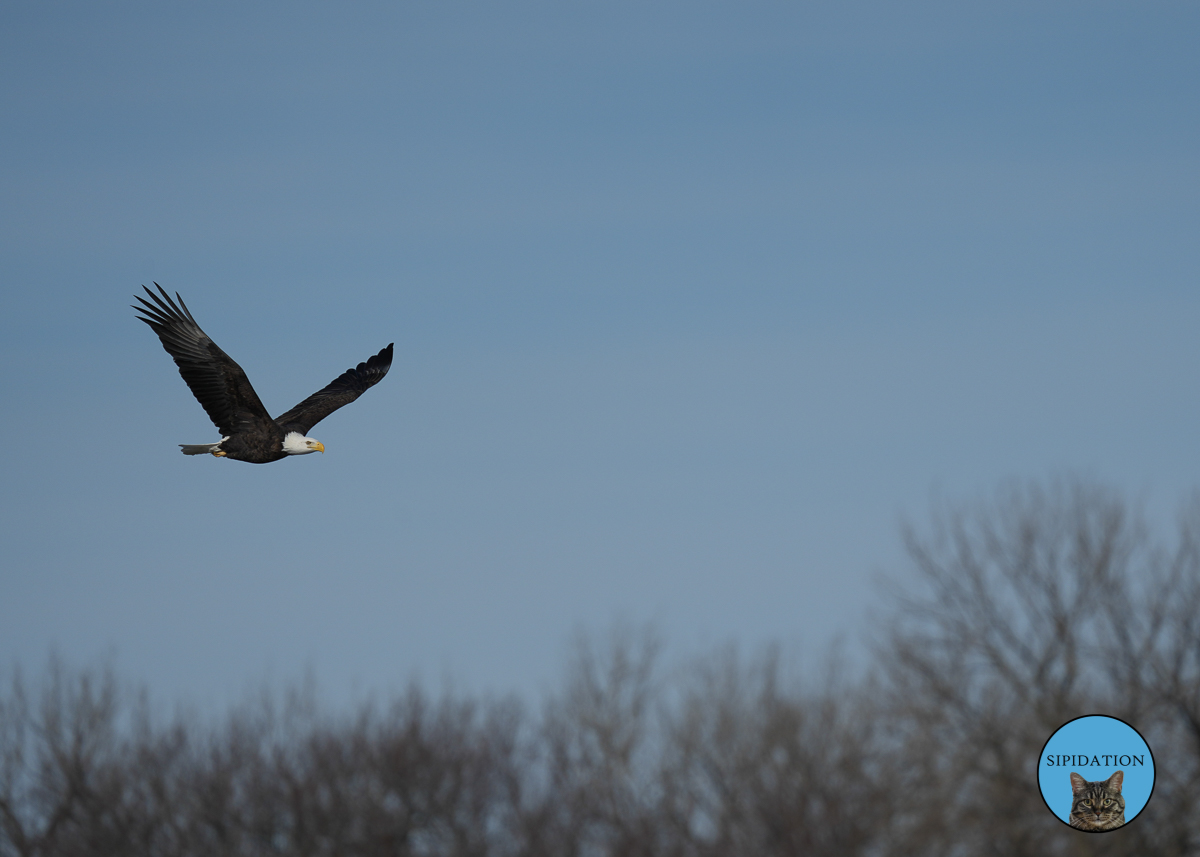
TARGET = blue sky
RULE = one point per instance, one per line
(692, 303)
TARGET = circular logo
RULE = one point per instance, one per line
(1096, 773)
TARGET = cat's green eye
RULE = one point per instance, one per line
(1107, 802)
(1087, 803)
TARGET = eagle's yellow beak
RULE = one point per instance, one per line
(320, 447)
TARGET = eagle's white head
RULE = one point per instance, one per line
(297, 444)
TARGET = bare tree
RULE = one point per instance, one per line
(600, 761)
(759, 766)
(1044, 604)
(1048, 604)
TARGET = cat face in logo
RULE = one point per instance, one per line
(1098, 805)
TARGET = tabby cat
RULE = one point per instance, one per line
(1098, 805)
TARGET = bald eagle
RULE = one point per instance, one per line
(224, 391)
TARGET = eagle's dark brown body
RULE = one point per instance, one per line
(256, 448)
(224, 391)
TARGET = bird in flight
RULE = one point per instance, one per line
(224, 391)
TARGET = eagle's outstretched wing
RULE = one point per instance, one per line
(341, 391)
(217, 382)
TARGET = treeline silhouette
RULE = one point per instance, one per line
(1042, 604)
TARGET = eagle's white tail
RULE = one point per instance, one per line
(198, 448)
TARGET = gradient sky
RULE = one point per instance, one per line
(692, 302)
